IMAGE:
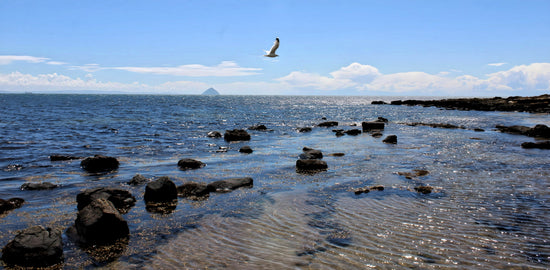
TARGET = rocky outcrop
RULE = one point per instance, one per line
(99, 163)
(121, 199)
(539, 131)
(436, 125)
(246, 150)
(536, 104)
(100, 223)
(10, 204)
(236, 135)
(391, 139)
(190, 164)
(38, 186)
(160, 191)
(539, 145)
(230, 184)
(34, 247)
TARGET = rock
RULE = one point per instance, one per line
(378, 188)
(339, 132)
(137, 180)
(381, 119)
(372, 125)
(99, 163)
(100, 223)
(539, 145)
(230, 184)
(539, 131)
(62, 157)
(161, 190)
(424, 189)
(310, 153)
(359, 191)
(353, 132)
(121, 199)
(436, 125)
(377, 134)
(236, 135)
(193, 190)
(34, 247)
(258, 128)
(305, 129)
(246, 149)
(378, 102)
(311, 165)
(190, 164)
(414, 173)
(10, 204)
(214, 134)
(38, 186)
(479, 130)
(337, 154)
(210, 92)
(390, 139)
(328, 124)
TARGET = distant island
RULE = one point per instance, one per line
(211, 92)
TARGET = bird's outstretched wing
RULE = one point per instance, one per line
(271, 53)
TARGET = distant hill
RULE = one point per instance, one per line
(211, 92)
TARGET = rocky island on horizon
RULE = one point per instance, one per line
(211, 92)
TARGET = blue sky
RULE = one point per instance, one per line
(459, 48)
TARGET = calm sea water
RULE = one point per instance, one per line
(490, 208)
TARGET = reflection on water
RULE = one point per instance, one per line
(488, 209)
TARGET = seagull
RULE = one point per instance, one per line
(271, 53)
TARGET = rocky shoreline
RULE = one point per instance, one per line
(535, 104)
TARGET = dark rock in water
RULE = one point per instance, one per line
(246, 149)
(193, 190)
(339, 237)
(62, 157)
(311, 165)
(479, 130)
(258, 128)
(381, 119)
(377, 134)
(424, 189)
(337, 154)
(339, 132)
(539, 131)
(121, 199)
(161, 190)
(310, 153)
(38, 186)
(378, 102)
(34, 247)
(436, 125)
(190, 164)
(372, 125)
(539, 145)
(137, 180)
(10, 204)
(415, 173)
(353, 132)
(210, 92)
(379, 188)
(99, 163)
(390, 139)
(230, 184)
(214, 134)
(236, 135)
(100, 223)
(328, 124)
(359, 191)
(305, 129)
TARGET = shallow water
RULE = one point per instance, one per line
(489, 208)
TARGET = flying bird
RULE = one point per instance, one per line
(271, 53)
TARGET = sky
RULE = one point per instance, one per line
(409, 47)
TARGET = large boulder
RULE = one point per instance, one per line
(34, 247)
(193, 190)
(100, 223)
(161, 190)
(236, 135)
(310, 165)
(99, 163)
(10, 204)
(372, 125)
(230, 184)
(310, 153)
(121, 199)
(38, 186)
(190, 164)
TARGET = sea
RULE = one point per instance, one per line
(489, 207)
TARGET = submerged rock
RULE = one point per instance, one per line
(38, 186)
(309, 153)
(214, 134)
(99, 163)
(100, 223)
(138, 179)
(10, 204)
(161, 190)
(193, 190)
(392, 139)
(34, 247)
(424, 189)
(230, 184)
(236, 135)
(539, 145)
(246, 149)
(305, 129)
(353, 132)
(328, 124)
(367, 126)
(121, 199)
(258, 128)
(310, 165)
(62, 157)
(190, 164)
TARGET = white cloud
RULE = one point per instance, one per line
(497, 64)
(224, 69)
(55, 63)
(535, 76)
(8, 59)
